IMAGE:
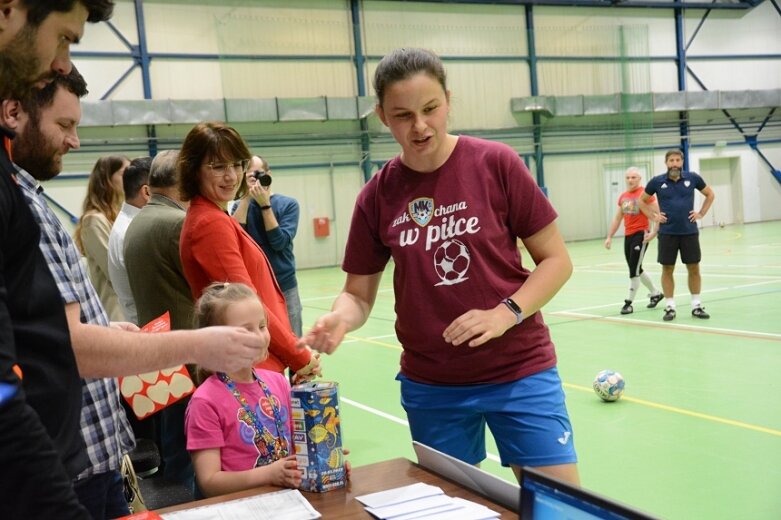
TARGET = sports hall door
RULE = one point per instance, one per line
(722, 174)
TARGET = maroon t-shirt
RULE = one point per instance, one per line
(452, 236)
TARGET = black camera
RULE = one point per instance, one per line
(262, 177)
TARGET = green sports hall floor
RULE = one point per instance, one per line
(697, 434)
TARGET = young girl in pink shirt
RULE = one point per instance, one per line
(238, 425)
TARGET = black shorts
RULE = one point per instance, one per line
(634, 251)
(688, 245)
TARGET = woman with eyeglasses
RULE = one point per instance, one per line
(214, 247)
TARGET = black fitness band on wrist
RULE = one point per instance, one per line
(515, 308)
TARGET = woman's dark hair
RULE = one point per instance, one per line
(209, 142)
(402, 64)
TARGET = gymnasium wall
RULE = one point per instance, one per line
(304, 49)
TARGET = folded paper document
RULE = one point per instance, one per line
(419, 501)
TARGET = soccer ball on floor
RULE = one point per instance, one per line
(609, 385)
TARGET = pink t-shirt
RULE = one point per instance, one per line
(213, 419)
(452, 235)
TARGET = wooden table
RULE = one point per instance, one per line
(341, 504)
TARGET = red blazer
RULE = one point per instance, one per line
(214, 248)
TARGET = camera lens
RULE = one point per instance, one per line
(263, 178)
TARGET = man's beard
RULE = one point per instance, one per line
(674, 172)
(34, 153)
(19, 65)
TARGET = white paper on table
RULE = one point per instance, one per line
(460, 510)
(288, 504)
(434, 503)
(399, 495)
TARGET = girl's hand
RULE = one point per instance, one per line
(348, 468)
(285, 472)
(310, 371)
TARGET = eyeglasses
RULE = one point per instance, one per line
(220, 169)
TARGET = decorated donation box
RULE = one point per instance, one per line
(317, 435)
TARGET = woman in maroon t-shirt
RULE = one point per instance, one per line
(449, 210)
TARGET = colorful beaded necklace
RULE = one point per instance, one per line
(276, 446)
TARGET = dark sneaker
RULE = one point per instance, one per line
(655, 299)
(669, 314)
(627, 308)
(699, 312)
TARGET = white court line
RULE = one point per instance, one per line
(374, 411)
(606, 264)
(316, 298)
(683, 273)
(710, 291)
(370, 338)
(754, 284)
(393, 418)
(748, 333)
(741, 266)
(653, 265)
(590, 308)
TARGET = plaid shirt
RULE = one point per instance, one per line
(104, 426)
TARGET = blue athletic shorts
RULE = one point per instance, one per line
(527, 417)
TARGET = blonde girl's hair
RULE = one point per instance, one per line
(210, 310)
(210, 307)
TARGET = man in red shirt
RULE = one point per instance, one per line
(637, 234)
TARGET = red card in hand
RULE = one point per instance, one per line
(151, 392)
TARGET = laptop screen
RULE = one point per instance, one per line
(547, 498)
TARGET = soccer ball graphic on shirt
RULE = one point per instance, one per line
(609, 385)
(451, 262)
